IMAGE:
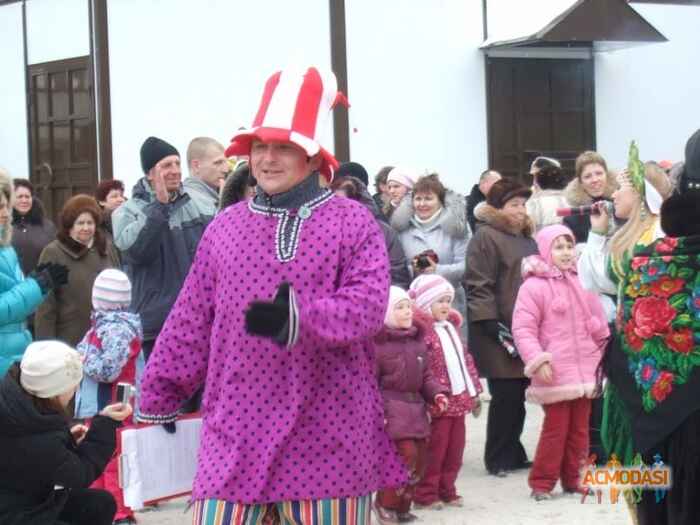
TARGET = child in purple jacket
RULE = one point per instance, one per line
(407, 386)
(560, 330)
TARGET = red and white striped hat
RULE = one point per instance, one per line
(295, 107)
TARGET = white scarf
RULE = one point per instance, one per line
(454, 358)
(429, 220)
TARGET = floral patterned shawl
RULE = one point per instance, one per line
(661, 317)
(654, 381)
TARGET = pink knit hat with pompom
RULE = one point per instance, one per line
(428, 288)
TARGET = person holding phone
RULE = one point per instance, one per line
(47, 467)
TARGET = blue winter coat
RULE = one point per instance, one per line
(157, 242)
(19, 297)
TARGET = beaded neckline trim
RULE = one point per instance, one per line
(290, 223)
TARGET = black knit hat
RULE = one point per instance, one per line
(353, 169)
(504, 190)
(680, 213)
(153, 151)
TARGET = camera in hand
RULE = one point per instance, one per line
(422, 262)
(125, 392)
(424, 259)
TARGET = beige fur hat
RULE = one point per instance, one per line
(50, 368)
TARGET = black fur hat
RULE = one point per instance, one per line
(680, 213)
(504, 190)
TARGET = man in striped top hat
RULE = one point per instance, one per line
(275, 322)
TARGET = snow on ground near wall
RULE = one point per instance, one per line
(488, 500)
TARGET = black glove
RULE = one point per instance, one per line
(59, 274)
(490, 328)
(50, 276)
(170, 427)
(270, 319)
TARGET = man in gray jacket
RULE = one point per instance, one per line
(208, 168)
(157, 232)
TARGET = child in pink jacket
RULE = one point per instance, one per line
(560, 330)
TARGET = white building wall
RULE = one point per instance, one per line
(181, 69)
(13, 109)
(650, 93)
(57, 29)
(416, 87)
(510, 19)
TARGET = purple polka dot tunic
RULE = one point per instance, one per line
(281, 423)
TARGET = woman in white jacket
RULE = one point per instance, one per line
(542, 206)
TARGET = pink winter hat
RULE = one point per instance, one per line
(546, 236)
(406, 177)
(426, 289)
(396, 295)
(111, 291)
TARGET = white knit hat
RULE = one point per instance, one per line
(428, 288)
(50, 368)
(396, 295)
(404, 176)
(111, 291)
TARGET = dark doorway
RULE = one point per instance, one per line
(538, 107)
(62, 130)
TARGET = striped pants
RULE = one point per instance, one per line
(342, 511)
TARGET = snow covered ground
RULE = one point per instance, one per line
(488, 500)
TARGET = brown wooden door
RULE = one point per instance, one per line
(538, 107)
(63, 133)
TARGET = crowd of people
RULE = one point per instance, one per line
(334, 340)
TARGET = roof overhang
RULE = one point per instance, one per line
(587, 27)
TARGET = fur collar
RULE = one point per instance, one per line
(76, 250)
(6, 235)
(452, 221)
(536, 266)
(425, 321)
(501, 222)
(35, 215)
(577, 196)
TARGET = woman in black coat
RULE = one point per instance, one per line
(353, 188)
(32, 230)
(594, 182)
(46, 467)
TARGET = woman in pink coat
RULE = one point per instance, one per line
(560, 331)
